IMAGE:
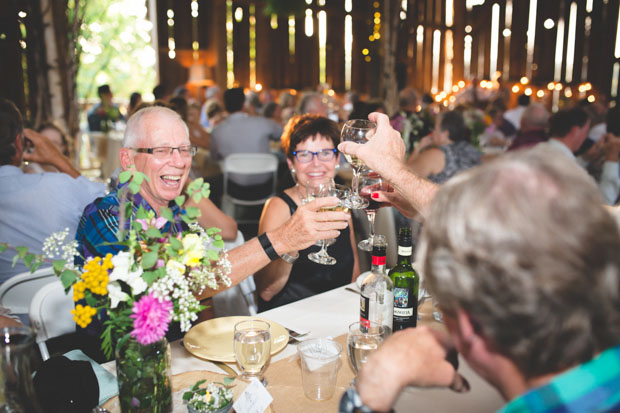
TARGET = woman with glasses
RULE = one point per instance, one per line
(309, 142)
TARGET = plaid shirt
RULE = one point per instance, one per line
(99, 225)
(590, 387)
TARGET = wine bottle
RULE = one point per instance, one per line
(377, 298)
(406, 282)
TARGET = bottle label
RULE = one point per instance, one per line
(404, 251)
(378, 260)
(364, 311)
(405, 308)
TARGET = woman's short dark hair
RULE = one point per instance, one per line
(454, 123)
(301, 127)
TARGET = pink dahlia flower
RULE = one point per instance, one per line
(150, 319)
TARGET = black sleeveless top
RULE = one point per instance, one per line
(308, 278)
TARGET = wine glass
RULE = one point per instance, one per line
(361, 341)
(252, 342)
(323, 189)
(358, 131)
(370, 182)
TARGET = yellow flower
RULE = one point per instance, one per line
(83, 314)
(78, 290)
(207, 397)
(95, 276)
(193, 250)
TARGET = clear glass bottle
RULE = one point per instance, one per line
(377, 297)
(406, 283)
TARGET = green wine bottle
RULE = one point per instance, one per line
(406, 282)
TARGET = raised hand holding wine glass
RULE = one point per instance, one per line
(358, 131)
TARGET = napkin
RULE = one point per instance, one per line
(108, 386)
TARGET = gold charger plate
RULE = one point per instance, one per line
(213, 339)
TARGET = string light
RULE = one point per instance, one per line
(230, 55)
(195, 43)
(171, 43)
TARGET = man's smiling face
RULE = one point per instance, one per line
(167, 175)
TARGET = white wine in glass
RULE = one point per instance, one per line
(252, 343)
(361, 343)
(358, 131)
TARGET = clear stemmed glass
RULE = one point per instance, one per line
(370, 182)
(323, 189)
(358, 131)
(361, 341)
(252, 342)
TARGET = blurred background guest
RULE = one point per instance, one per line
(134, 100)
(104, 114)
(309, 142)
(532, 129)
(446, 151)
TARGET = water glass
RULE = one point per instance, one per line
(320, 361)
(361, 341)
(252, 343)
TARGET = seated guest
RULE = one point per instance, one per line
(56, 136)
(446, 151)
(215, 113)
(514, 115)
(34, 206)
(309, 142)
(568, 130)
(532, 128)
(104, 114)
(523, 260)
(134, 100)
(197, 135)
(243, 133)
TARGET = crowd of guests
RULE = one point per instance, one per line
(521, 254)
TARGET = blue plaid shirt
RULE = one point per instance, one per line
(593, 386)
(99, 225)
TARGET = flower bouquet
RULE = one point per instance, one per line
(153, 281)
(215, 397)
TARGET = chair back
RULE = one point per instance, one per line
(17, 292)
(50, 314)
(248, 166)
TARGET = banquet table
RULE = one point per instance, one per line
(329, 315)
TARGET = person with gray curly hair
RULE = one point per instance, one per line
(523, 259)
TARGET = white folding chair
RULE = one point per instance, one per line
(50, 314)
(17, 292)
(249, 164)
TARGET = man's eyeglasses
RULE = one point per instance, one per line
(323, 155)
(186, 151)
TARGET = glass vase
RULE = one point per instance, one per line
(143, 374)
(16, 387)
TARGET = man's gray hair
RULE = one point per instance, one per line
(524, 246)
(136, 125)
(535, 116)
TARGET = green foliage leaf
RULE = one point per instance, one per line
(195, 185)
(167, 213)
(21, 251)
(180, 200)
(219, 243)
(90, 300)
(212, 231)
(176, 244)
(68, 278)
(153, 232)
(28, 259)
(171, 251)
(124, 176)
(15, 259)
(3, 247)
(192, 212)
(142, 213)
(149, 277)
(228, 380)
(149, 259)
(197, 197)
(59, 266)
(134, 187)
(212, 255)
(187, 219)
(138, 177)
(36, 264)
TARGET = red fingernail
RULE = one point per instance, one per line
(374, 195)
